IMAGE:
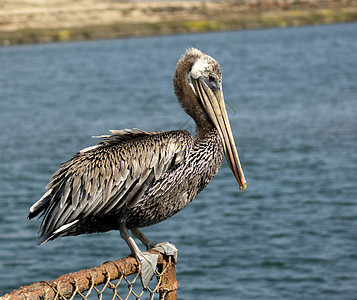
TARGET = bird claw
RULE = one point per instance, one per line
(148, 262)
(167, 249)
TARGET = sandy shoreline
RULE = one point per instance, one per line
(37, 21)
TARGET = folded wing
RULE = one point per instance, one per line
(101, 179)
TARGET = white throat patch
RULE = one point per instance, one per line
(199, 67)
(189, 78)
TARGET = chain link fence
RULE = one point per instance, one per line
(112, 280)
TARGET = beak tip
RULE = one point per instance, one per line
(243, 187)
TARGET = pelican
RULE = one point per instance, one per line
(133, 178)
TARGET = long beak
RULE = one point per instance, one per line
(212, 100)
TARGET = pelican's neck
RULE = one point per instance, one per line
(204, 133)
(187, 97)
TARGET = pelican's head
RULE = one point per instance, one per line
(198, 86)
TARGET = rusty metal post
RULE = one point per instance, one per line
(67, 286)
(168, 287)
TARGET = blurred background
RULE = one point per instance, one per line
(291, 96)
(39, 21)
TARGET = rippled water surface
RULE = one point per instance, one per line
(291, 95)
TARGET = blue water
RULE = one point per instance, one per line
(292, 99)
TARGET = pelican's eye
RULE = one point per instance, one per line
(212, 81)
(211, 78)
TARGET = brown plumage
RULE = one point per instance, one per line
(133, 178)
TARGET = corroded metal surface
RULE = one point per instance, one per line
(69, 285)
(168, 287)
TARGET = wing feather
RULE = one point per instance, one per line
(104, 178)
(65, 193)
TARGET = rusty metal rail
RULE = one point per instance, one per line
(106, 281)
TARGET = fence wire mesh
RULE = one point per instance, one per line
(116, 280)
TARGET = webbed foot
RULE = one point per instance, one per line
(167, 248)
(148, 262)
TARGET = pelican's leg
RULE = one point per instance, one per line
(143, 238)
(148, 261)
(166, 248)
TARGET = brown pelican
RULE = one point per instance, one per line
(134, 179)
